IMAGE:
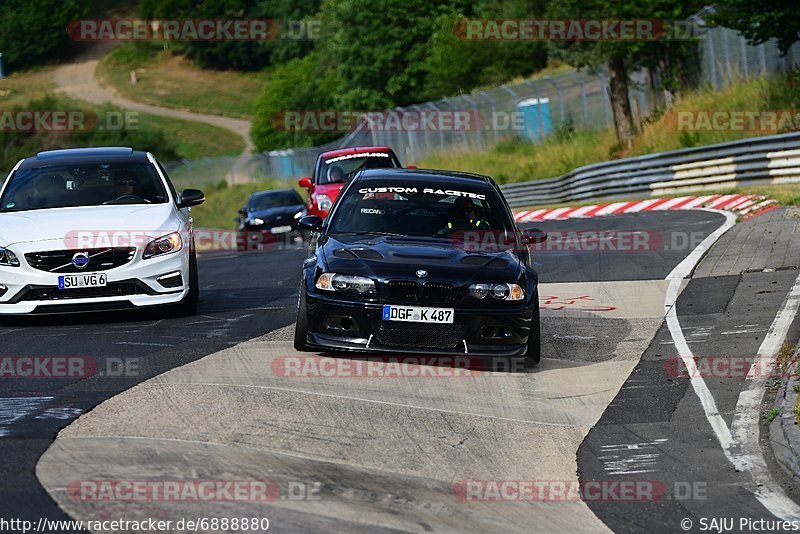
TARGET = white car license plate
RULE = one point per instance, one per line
(73, 281)
(281, 229)
(416, 314)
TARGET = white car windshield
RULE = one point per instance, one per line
(83, 185)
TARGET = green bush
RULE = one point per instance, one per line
(32, 31)
(301, 84)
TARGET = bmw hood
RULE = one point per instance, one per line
(384, 257)
(64, 224)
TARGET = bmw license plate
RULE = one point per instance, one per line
(281, 229)
(416, 314)
(73, 281)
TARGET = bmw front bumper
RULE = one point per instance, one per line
(340, 324)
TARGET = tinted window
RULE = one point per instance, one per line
(83, 185)
(277, 199)
(341, 168)
(422, 209)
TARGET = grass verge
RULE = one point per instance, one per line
(196, 140)
(170, 80)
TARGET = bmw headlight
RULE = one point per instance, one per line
(257, 222)
(167, 244)
(299, 215)
(8, 258)
(345, 283)
(497, 291)
(324, 202)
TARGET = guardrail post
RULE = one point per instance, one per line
(492, 103)
(441, 132)
(726, 49)
(584, 104)
(712, 60)
(475, 109)
(558, 95)
(606, 98)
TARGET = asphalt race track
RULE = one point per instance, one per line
(416, 452)
(232, 309)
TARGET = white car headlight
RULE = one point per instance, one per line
(345, 283)
(167, 244)
(8, 258)
(497, 291)
(257, 222)
(324, 202)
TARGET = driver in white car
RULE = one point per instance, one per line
(124, 184)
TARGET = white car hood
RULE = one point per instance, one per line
(62, 223)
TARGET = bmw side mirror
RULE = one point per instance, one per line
(533, 236)
(191, 197)
(310, 222)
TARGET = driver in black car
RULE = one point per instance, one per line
(464, 216)
(124, 184)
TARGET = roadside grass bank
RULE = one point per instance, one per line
(516, 160)
(168, 138)
(170, 80)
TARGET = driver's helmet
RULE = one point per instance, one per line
(335, 173)
(125, 178)
(464, 210)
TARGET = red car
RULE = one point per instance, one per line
(334, 168)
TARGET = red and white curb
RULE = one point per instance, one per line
(745, 205)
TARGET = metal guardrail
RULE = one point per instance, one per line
(754, 161)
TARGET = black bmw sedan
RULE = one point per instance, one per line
(270, 216)
(420, 261)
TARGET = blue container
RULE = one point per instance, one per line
(536, 121)
(3, 72)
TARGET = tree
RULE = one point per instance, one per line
(620, 56)
(301, 84)
(454, 65)
(238, 55)
(761, 21)
(32, 31)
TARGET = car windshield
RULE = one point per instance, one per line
(274, 199)
(83, 185)
(422, 209)
(340, 168)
